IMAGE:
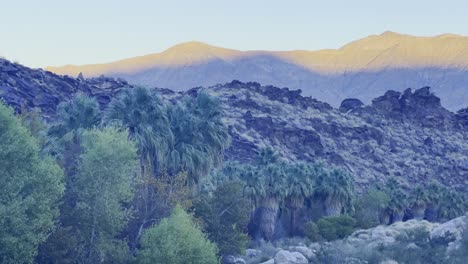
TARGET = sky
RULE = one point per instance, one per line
(59, 32)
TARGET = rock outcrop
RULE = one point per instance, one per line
(22, 87)
(408, 135)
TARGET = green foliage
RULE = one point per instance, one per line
(452, 204)
(225, 214)
(82, 112)
(176, 240)
(102, 186)
(398, 197)
(336, 227)
(30, 189)
(370, 206)
(186, 136)
(311, 231)
(200, 136)
(336, 189)
(145, 116)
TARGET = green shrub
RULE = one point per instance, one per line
(311, 231)
(336, 227)
(176, 240)
(225, 215)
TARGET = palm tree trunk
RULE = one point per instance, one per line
(384, 218)
(431, 212)
(268, 213)
(418, 211)
(397, 216)
(293, 204)
(332, 207)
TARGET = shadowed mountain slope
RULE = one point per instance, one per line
(363, 69)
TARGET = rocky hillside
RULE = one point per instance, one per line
(409, 135)
(24, 87)
(406, 134)
(363, 69)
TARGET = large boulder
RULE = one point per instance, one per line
(287, 257)
(350, 104)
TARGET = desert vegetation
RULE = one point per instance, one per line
(144, 181)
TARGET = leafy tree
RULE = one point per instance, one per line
(176, 239)
(103, 186)
(370, 208)
(311, 231)
(31, 187)
(225, 214)
(35, 123)
(335, 189)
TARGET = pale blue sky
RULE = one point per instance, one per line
(40, 33)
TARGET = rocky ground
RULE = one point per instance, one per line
(362, 246)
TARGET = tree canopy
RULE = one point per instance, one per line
(31, 187)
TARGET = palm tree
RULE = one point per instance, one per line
(434, 194)
(418, 201)
(336, 190)
(144, 114)
(300, 178)
(396, 206)
(267, 187)
(73, 117)
(200, 136)
(453, 204)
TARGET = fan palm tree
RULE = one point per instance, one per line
(300, 178)
(200, 136)
(336, 190)
(144, 114)
(267, 187)
(434, 194)
(452, 204)
(396, 206)
(418, 201)
(73, 117)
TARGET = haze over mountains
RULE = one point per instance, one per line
(362, 69)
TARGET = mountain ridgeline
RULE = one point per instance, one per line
(362, 69)
(406, 134)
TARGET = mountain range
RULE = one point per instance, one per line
(362, 69)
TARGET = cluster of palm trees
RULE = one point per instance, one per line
(186, 136)
(433, 202)
(273, 184)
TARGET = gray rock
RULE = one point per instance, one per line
(287, 257)
(307, 252)
(229, 259)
